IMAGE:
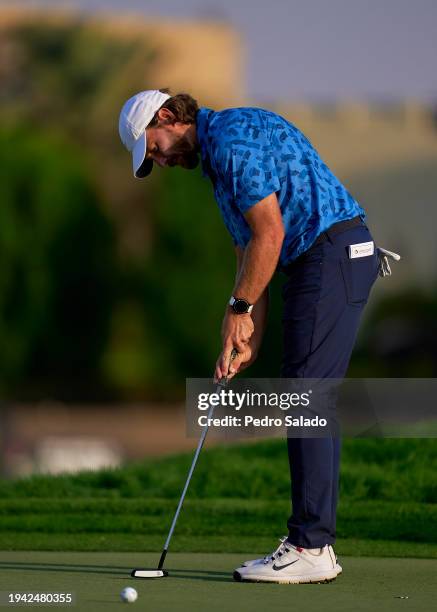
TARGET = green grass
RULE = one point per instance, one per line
(238, 500)
(372, 469)
(225, 517)
(203, 581)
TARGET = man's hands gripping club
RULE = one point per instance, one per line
(236, 333)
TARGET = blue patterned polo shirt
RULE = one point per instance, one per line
(249, 153)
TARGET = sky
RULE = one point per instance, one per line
(315, 49)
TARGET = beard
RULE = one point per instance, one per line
(183, 154)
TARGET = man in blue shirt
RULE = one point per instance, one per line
(285, 210)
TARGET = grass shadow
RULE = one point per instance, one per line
(63, 567)
(190, 574)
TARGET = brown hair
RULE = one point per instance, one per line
(183, 106)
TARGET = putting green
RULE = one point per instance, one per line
(203, 581)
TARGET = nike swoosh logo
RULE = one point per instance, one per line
(280, 567)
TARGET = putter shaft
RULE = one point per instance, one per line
(222, 383)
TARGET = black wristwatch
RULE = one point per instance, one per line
(240, 306)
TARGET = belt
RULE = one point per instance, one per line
(337, 228)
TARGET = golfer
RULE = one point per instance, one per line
(287, 212)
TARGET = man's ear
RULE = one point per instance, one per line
(166, 116)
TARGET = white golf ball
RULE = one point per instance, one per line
(129, 595)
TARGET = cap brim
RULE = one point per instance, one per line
(141, 166)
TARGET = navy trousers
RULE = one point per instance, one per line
(324, 297)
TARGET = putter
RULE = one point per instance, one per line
(159, 572)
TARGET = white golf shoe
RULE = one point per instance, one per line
(292, 565)
(273, 554)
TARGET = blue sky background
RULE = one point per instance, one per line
(316, 49)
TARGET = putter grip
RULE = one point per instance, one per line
(234, 353)
(224, 381)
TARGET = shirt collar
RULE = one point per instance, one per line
(203, 119)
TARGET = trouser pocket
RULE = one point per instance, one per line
(358, 277)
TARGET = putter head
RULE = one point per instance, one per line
(144, 573)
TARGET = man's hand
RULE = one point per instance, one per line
(236, 330)
(249, 356)
(232, 367)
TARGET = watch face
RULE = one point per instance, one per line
(240, 306)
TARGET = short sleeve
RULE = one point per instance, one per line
(254, 174)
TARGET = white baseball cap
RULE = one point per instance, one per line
(135, 116)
